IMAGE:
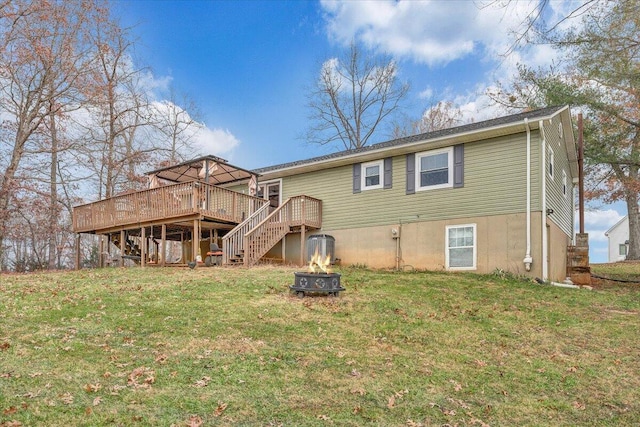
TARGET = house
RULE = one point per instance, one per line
(490, 195)
(618, 236)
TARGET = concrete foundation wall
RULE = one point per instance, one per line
(500, 240)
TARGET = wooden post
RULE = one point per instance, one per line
(143, 247)
(122, 247)
(284, 249)
(581, 172)
(163, 251)
(195, 240)
(78, 258)
(100, 251)
(302, 245)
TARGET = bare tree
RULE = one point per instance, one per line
(440, 115)
(42, 61)
(352, 97)
(177, 121)
(118, 110)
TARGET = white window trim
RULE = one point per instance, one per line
(475, 247)
(419, 156)
(363, 177)
(565, 188)
(551, 166)
(272, 181)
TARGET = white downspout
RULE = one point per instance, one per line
(528, 260)
(543, 225)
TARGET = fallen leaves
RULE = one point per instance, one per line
(10, 410)
(391, 401)
(4, 346)
(220, 409)
(359, 391)
(92, 388)
(142, 373)
(194, 421)
(67, 398)
(203, 382)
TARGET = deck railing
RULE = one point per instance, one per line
(296, 211)
(165, 202)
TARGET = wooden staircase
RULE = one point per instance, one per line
(253, 238)
(131, 249)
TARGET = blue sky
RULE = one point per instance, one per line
(247, 64)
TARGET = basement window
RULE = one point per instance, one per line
(461, 250)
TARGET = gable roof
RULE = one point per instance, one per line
(616, 225)
(500, 126)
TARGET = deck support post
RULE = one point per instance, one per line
(284, 249)
(122, 247)
(195, 240)
(78, 251)
(101, 252)
(163, 244)
(302, 244)
(143, 247)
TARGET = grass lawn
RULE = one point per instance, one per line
(625, 271)
(218, 346)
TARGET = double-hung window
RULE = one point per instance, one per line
(461, 247)
(372, 175)
(434, 169)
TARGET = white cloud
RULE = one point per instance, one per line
(597, 222)
(601, 218)
(215, 141)
(426, 94)
(430, 32)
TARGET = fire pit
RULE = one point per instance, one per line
(328, 283)
(319, 279)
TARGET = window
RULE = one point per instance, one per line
(564, 183)
(622, 249)
(372, 175)
(435, 169)
(550, 169)
(461, 247)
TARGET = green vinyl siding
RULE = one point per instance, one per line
(562, 206)
(494, 183)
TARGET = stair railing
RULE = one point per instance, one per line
(295, 211)
(233, 241)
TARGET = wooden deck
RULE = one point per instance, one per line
(172, 202)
